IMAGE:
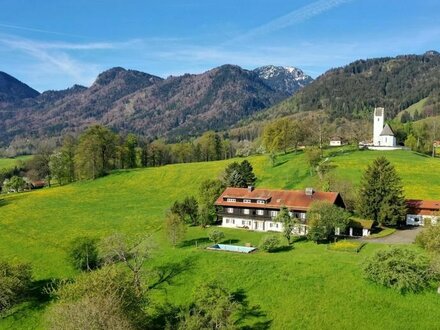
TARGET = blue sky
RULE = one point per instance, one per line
(53, 44)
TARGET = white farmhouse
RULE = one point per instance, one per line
(257, 209)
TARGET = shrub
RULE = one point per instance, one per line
(429, 239)
(83, 253)
(270, 243)
(216, 236)
(103, 299)
(399, 268)
(15, 280)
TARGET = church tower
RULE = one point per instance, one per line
(378, 125)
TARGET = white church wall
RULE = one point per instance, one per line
(378, 125)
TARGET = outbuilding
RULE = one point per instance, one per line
(422, 212)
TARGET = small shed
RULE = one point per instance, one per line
(422, 212)
(336, 141)
(360, 227)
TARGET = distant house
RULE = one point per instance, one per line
(257, 209)
(336, 141)
(37, 184)
(422, 212)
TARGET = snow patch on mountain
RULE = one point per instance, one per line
(283, 78)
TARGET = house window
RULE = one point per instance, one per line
(260, 212)
(231, 200)
(260, 201)
(273, 213)
(243, 222)
(246, 201)
(230, 210)
(227, 220)
(245, 211)
(276, 225)
(233, 221)
(270, 224)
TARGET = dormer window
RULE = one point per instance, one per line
(261, 201)
(231, 200)
(247, 201)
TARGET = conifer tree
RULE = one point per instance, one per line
(381, 195)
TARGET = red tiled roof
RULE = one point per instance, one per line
(425, 207)
(292, 199)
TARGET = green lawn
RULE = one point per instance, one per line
(306, 288)
(11, 162)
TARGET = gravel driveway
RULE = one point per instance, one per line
(401, 236)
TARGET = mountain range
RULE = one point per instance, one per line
(133, 101)
(221, 98)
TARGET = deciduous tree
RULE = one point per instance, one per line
(175, 228)
(288, 222)
(323, 218)
(83, 253)
(15, 282)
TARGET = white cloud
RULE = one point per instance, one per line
(294, 17)
(52, 58)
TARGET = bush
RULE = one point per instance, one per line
(103, 299)
(270, 243)
(83, 253)
(399, 268)
(15, 280)
(216, 236)
(429, 239)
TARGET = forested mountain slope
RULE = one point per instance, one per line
(355, 89)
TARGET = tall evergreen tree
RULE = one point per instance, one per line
(381, 196)
(247, 172)
(239, 175)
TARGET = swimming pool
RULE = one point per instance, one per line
(231, 248)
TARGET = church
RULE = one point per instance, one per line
(383, 136)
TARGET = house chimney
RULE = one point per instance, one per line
(309, 192)
(250, 188)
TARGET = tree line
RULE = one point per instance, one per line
(98, 151)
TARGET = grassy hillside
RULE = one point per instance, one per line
(307, 287)
(418, 106)
(11, 162)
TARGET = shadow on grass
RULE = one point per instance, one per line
(194, 242)
(297, 239)
(280, 163)
(12, 197)
(297, 178)
(230, 241)
(284, 248)
(37, 299)
(252, 314)
(168, 272)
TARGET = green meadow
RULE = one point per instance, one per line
(307, 287)
(11, 162)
